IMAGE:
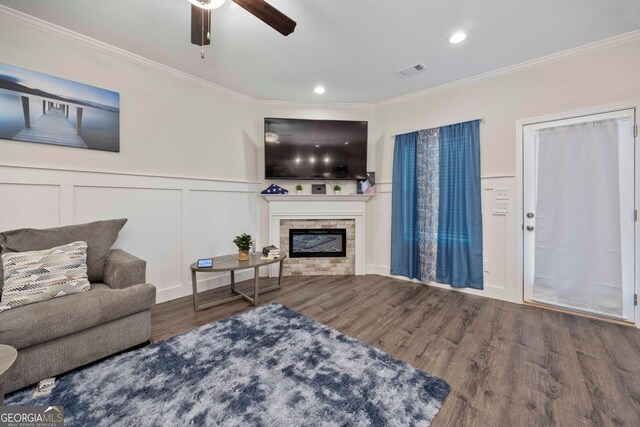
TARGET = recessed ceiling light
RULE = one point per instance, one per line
(346, 143)
(312, 159)
(457, 37)
(319, 90)
(317, 145)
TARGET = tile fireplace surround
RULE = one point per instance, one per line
(317, 265)
(316, 211)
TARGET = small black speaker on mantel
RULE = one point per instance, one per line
(318, 188)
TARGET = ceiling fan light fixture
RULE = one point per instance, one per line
(207, 4)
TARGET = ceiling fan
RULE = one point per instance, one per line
(201, 18)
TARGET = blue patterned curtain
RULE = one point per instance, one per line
(404, 215)
(436, 231)
(428, 171)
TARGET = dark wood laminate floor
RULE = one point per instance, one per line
(507, 364)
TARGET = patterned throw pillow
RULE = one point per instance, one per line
(42, 275)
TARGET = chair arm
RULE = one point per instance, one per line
(122, 270)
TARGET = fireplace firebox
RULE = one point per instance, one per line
(317, 243)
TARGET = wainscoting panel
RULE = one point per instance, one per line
(215, 219)
(154, 229)
(172, 220)
(379, 237)
(498, 238)
(29, 205)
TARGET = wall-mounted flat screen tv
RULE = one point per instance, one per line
(315, 149)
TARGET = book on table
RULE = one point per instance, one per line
(270, 252)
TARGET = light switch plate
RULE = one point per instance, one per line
(502, 194)
(501, 208)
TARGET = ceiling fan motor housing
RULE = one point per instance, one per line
(200, 26)
(201, 18)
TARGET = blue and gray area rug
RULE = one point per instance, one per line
(268, 367)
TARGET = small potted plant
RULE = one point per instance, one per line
(243, 242)
(337, 188)
(299, 189)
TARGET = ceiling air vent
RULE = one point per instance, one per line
(411, 71)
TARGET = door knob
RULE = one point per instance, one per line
(530, 215)
(530, 227)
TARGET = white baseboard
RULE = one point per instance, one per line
(384, 270)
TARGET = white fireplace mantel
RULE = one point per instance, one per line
(317, 197)
(321, 207)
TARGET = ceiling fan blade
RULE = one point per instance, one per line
(269, 15)
(200, 26)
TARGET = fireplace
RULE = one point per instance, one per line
(319, 212)
(317, 243)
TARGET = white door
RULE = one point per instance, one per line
(579, 209)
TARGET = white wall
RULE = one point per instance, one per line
(598, 78)
(168, 126)
(171, 130)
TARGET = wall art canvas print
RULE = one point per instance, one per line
(40, 108)
(368, 186)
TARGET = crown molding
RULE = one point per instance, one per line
(618, 40)
(80, 39)
(300, 104)
(83, 40)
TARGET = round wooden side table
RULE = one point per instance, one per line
(8, 356)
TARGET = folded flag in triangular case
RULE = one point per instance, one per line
(275, 189)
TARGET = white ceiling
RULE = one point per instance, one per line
(352, 47)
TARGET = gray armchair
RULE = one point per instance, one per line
(58, 335)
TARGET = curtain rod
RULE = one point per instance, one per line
(481, 120)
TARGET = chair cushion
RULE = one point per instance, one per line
(37, 276)
(32, 324)
(99, 235)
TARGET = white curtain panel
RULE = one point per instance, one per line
(578, 261)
